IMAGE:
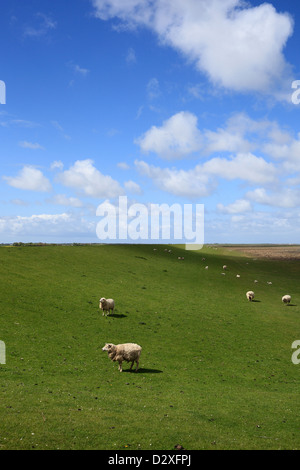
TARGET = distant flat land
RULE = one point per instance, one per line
(267, 251)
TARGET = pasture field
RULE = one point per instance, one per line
(215, 370)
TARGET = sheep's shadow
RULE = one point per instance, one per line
(254, 300)
(291, 305)
(143, 370)
(116, 315)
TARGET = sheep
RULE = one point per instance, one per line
(250, 295)
(286, 299)
(224, 267)
(238, 275)
(129, 352)
(107, 305)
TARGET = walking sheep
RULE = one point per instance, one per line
(129, 352)
(286, 299)
(107, 305)
(250, 295)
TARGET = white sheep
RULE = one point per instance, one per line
(250, 295)
(286, 299)
(107, 305)
(129, 352)
(224, 267)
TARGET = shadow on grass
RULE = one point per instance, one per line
(255, 300)
(291, 305)
(142, 370)
(116, 315)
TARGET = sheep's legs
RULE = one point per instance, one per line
(137, 365)
(120, 366)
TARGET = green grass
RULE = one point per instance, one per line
(215, 370)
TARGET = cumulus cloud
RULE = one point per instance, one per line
(178, 136)
(29, 178)
(237, 46)
(246, 167)
(201, 180)
(45, 226)
(84, 177)
(132, 187)
(63, 200)
(285, 198)
(239, 206)
(191, 184)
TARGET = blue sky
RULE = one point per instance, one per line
(162, 101)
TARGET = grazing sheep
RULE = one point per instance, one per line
(250, 295)
(224, 267)
(107, 305)
(206, 267)
(129, 352)
(286, 299)
(269, 282)
(238, 275)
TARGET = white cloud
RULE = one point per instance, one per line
(153, 89)
(190, 184)
(45, 24)
(63, 200)
(132, 187)
(246, 167)
(239, 206)
(285, 198)
(45, 227)
(30, 145)
(201, 180)
(130, 56)
(123, 166)
(84, 177)
(57, 164)
(177, 137)
(77, 69)
(237, 46)
(29, 178)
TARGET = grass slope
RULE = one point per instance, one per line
(215, 370)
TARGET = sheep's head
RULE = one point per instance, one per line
(108, 347)
(102, 300)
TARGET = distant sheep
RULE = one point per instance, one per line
(224, 267)
(129, 352)
(250, 295)
(106, 305)
(238, 275)
(286, 299)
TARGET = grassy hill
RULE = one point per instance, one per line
(215, 369)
